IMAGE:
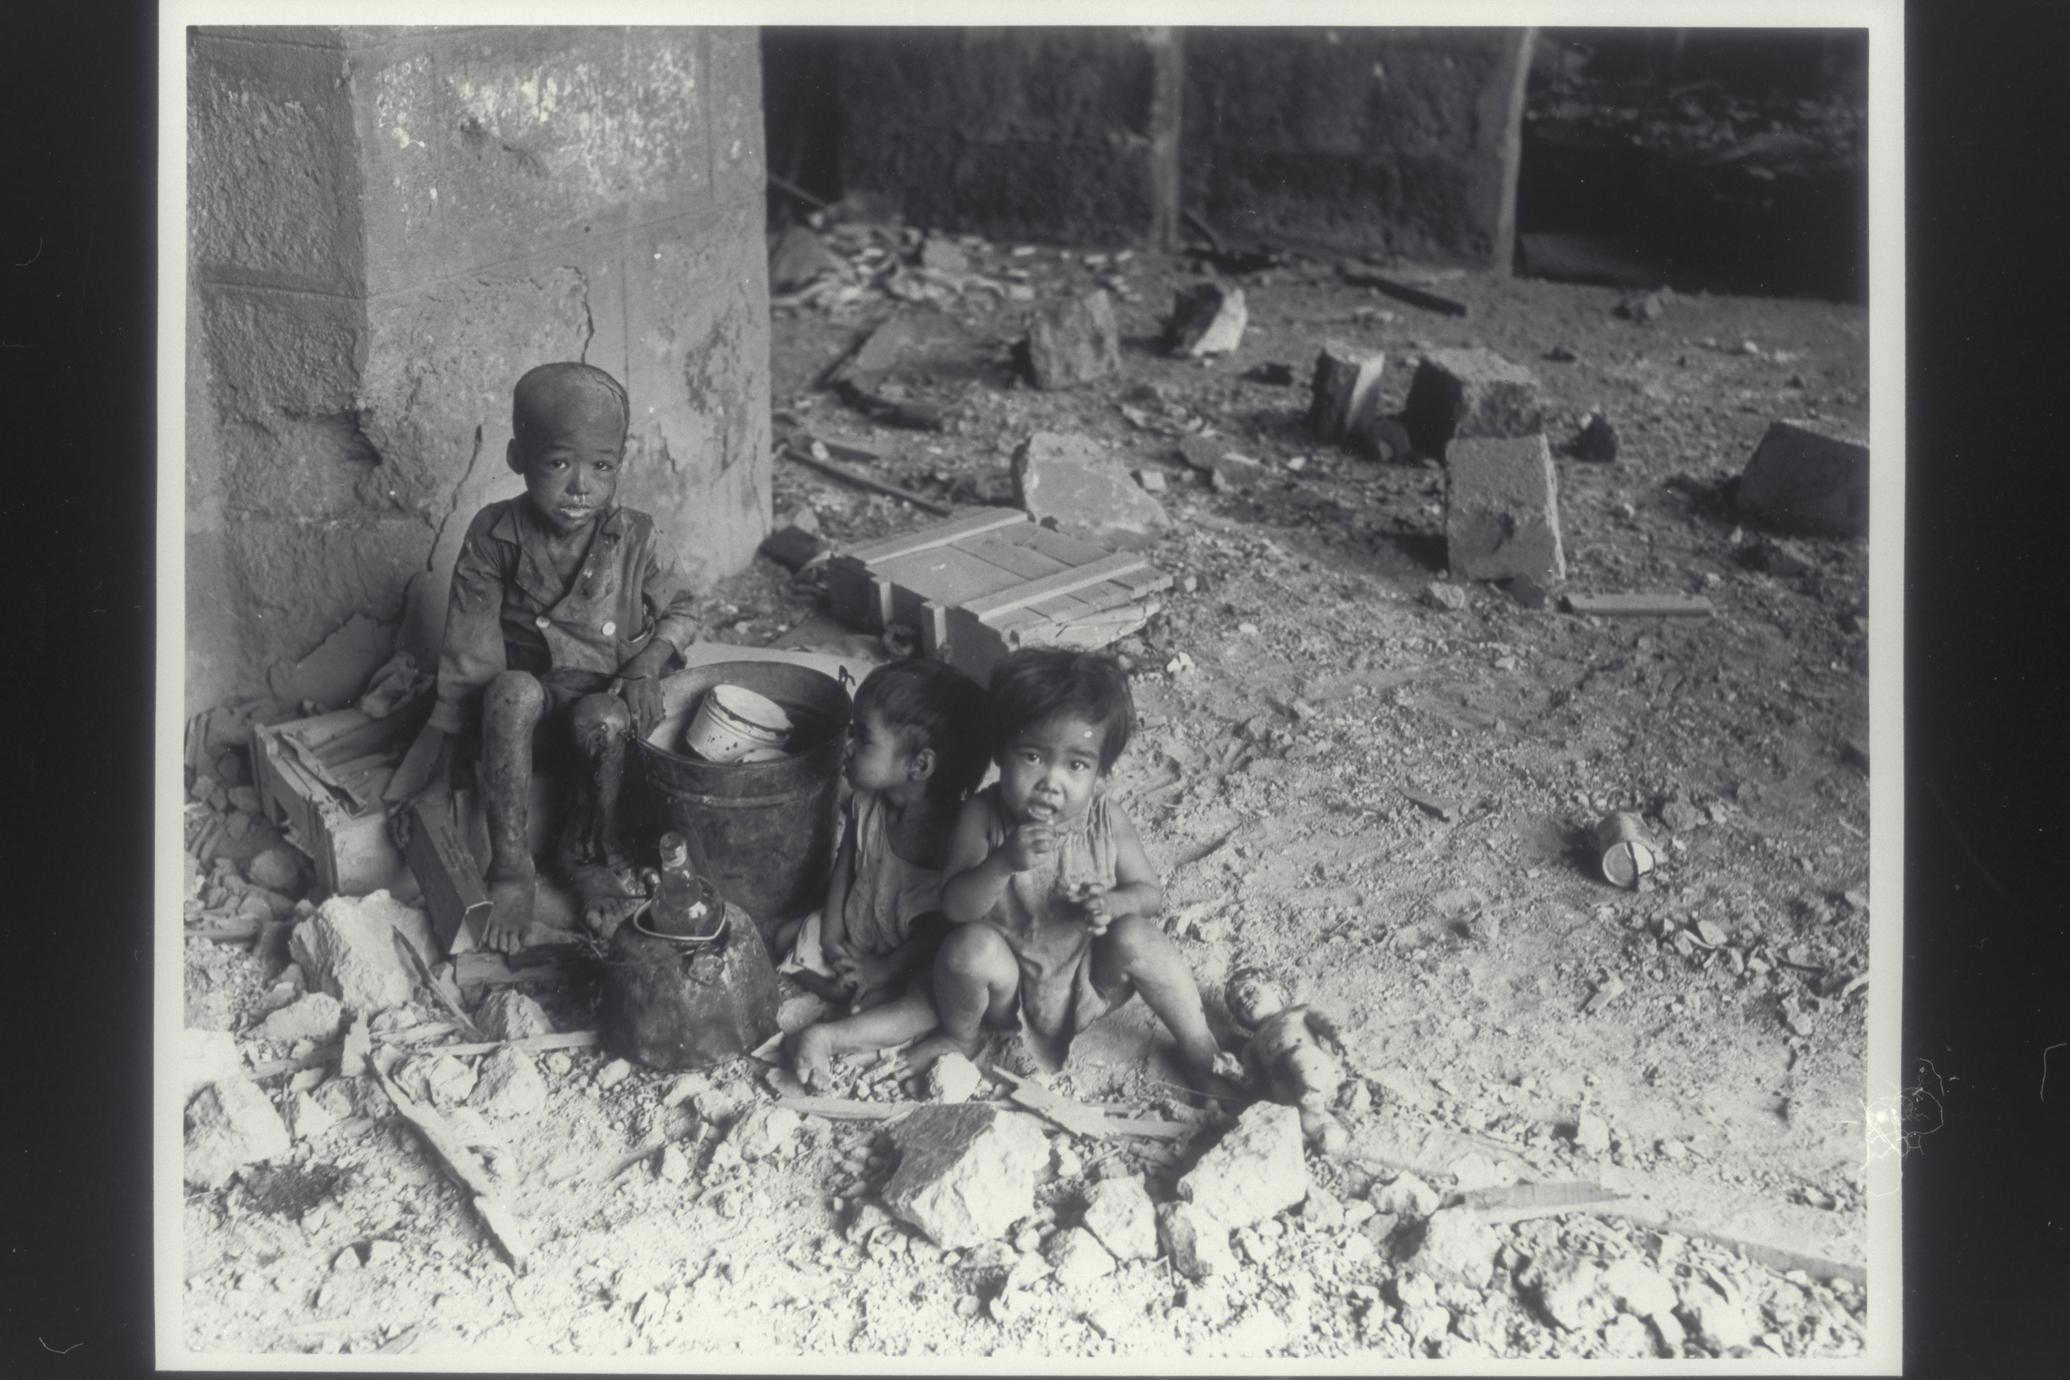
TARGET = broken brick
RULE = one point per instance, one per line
(1472, 392)
(1074, 342)
(1207, 319)
(1806, 477)
(1502, 511)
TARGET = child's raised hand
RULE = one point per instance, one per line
(1095, 906)
(1031, 840)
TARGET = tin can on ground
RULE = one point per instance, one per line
(1624, 851)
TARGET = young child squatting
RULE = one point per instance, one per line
(1050, 894)
(564, 613)
(917, 746)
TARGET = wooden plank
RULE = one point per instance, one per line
(934, 628)
(1641, 605)
(1064, 582)
(863, 481)
(938, 534)
(446, 874)
(460, 1165)
(1050, 542)
(950, 574)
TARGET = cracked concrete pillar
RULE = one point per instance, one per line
(386, 228)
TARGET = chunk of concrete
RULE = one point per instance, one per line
(1069, 482)
(1638, 1288)
(1074, 342)
(307, 1119)
(953, 1078)
(764, 1131)
(1195, 1241)
(1470, 392)
(1457, 1245)
(1207, 319)
(1597, 441)
(1719, 1321)
(1344, 393)
(1808, 477)
(276, 869)
(1120, 1213)
(231, 1124)
(966, 1173)
(1569, 1291)
(797, 257)
(348, 950)
(1502, 511)
(1077, 1257)
(311, 1016)
(438, 1078)
(1591, 1134)
(506, 1014)
(207, 1056)
(1406, 1196)
(507, 1084)
(1254, 1171)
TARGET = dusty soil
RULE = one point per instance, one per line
(1296, 685)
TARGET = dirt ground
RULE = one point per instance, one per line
(1298, 685)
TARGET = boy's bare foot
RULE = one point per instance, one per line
(811, 1057)
(920, 1056)
(510, 911)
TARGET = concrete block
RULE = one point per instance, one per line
(1120, 1213)
(347, 949)
(1195, 1241)
(966, 1173)
(229, 1125)
(1471, 392)
(1344, 392)
(1070, 482)
(1502, 515)
(1254, 1171)
(1808, 477)
(1456, 1246)
(1207, 319)
(508, 1014)
(1074, 342)
(272, 170)
(507, 1084)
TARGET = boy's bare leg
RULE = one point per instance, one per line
(510, 711)
(1136, 953)
(975, 980)
(589, 850)
(895, 1022)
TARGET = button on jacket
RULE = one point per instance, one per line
(506, 599)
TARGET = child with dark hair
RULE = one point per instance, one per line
(1050, 895)
(565, 610)
(916, 749)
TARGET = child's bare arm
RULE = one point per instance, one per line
(833, 919)
(975, 874)
(1135, 890)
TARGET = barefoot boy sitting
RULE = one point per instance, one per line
(564, 614)
(916, 748)
(1050, 894)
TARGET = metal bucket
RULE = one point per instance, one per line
(762, 832)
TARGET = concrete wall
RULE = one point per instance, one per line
(1369, 140)
(1051, 134)
(386, 228)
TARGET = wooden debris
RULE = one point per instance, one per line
(1640, 605)
(544, 964)
(459, 1162)
(863, 481)
(909, 416)
(1430, 804)
(446, 873)
(448, 999)
(1519, 1202)
(1080, 1119)
(1401, 292)
(848, 1108)
(560, 1039)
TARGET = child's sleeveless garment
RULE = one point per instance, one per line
(1041, 923)
(885, 892)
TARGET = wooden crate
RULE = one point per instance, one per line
(343, 827)
(984, 583)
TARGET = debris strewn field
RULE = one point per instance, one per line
(1354, 771)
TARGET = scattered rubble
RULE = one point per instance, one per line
(1195, 1241)
(1073, 484)
(1074, 342)
(1253, 1171)
(507, 1084)
(348, 950)
(314, 1016)
(1207, 319)
(1470, 393)
(1121, 1214)
(965, 1173)
(230, 1124)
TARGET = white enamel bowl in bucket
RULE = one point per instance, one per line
(735, 724)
